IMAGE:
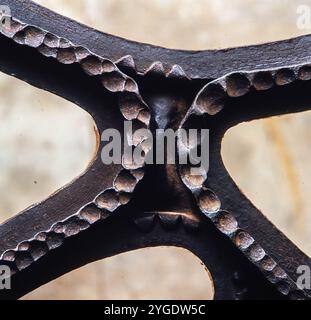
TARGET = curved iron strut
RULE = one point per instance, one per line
(116, 208)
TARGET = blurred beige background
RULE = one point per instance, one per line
(264, 157)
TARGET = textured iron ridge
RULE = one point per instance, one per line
(155, 68)
(168, 220)
(211, 100)
(132, 108)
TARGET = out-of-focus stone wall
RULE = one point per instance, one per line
(151, 273)
(45, 141)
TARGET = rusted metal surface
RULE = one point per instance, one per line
(116, 208)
